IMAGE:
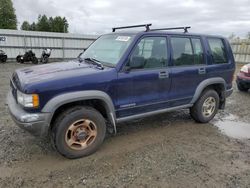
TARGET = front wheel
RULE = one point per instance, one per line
(78, 132)
(4, 59)
(205, 107)
(19, 59)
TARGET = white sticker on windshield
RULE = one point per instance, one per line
(123, 38)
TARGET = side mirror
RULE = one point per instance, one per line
(137, 62)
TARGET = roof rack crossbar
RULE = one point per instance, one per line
(172, 28)
(132, 26)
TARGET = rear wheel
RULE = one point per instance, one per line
(78, 132)
(241, 87)
(4, 59)
(45, 59)
(205, 107)
(34, 60)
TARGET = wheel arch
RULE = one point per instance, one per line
(91, 97)
(218, 84)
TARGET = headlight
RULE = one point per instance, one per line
(244, 69)
(28, 100)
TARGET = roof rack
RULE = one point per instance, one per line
(132, 26)
(173, 28)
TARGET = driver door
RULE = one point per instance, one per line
(146, 87)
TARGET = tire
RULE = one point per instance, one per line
(66, 130)
(18, 58)
(241, 87)
(45, 60)
(34, 60)
(4, 59)
(202, 114)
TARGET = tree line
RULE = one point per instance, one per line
(56, 24)
(8, 20)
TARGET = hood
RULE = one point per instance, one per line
(53, 71)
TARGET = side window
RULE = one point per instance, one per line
(198, 51)
(152, 51)
(182, 51)
(186, 51)
(218, 50)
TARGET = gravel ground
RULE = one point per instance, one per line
(167, 150)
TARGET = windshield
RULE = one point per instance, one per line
(108, 49)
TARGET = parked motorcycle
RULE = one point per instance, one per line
(3, 56)
(45, 56)
(28, 56)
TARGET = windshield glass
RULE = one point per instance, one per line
(108, 49)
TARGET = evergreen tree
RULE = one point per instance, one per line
(59, 24)
(7, 15)
(25, 26)
(33, 27)
(43, 23)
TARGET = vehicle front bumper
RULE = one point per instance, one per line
(35, 123)
(243, 80)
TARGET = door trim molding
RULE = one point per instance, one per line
(129, 106)
(142, 115)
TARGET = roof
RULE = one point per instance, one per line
(163, 33)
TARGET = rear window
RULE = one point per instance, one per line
(218, 50)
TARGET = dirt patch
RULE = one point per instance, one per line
(168, 150)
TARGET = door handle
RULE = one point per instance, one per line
(163, 74)
(202, 70)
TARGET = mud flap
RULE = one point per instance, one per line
(222, 100)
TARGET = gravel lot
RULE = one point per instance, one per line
(168, 150)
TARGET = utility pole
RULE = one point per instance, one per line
(63, 41)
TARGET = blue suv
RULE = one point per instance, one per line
(122, 76)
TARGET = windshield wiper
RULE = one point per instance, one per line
(95, 62)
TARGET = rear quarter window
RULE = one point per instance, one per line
(218, 50)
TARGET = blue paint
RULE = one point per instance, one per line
(132, 92)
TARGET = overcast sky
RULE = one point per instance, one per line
(99, 16)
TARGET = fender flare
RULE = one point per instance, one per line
(53, 104)
(204, 84)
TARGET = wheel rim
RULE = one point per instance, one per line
(81, 134)
(208, 107)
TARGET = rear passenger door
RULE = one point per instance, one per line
(188, 68)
